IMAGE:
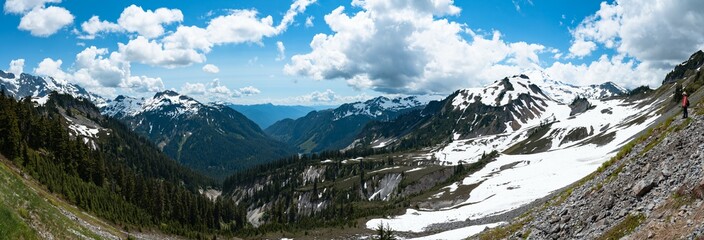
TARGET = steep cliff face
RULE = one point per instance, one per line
(693, 64)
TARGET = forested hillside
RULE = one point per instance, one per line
(124, 179)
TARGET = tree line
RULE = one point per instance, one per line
(125, 180)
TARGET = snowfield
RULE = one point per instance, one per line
(515, 180)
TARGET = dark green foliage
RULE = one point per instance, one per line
(329, 129)
(686, 68)
(438, 122)
(640, 90)
(126, 180)
(677, 97)
(216, 141)
(384, 233)
(340, 187)
(318, 131)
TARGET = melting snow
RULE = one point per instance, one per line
(538, 175)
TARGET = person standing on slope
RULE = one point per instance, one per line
(685, 105)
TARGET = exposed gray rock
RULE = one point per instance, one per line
(640, 183)
(643, 187)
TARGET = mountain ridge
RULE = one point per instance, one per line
(212, 138)
(334, 129)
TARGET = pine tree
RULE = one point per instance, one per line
(678, 93)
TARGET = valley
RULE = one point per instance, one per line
(351, 120)
(456, 167)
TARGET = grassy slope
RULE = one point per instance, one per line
(29, 212)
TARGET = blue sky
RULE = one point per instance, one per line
(423, 49)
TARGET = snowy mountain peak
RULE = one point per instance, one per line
(171, 102)
(499, 93)
(565, 93)
(123, 106)
(39, 88)
(377, 107)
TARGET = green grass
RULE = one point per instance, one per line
(20, 204)
(503, 232)
(13, 227)
(680, 200)
(624, 228)
(563, 196)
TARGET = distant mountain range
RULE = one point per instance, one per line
(267, 114)
(506, 106)
(211, 138)
(336, 128)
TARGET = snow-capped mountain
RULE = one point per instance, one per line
(38, 88)
(380, 108)
(211, 138)
(167, 102)
(337, 128)
(502, 92)
(508, 105)
(544, 142)
(565, 93)
(123, 106)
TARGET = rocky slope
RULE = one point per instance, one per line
(653, 188)
(686, 68)
(654, 191)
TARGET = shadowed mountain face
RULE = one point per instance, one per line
(686, 68)
(337, 128)
(213, 139)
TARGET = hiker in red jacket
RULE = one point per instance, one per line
(685, 105)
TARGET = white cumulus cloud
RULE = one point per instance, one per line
(408, 47)
(52, 68)
(16, 67)
(99, 71)
(193, 89)
(153, 53)
(210, 68)
(249, 91)
(654, 32)
(94, 26)
(148, 23)
(23, 6)
(44, 22)
(626, 73)
(144, 84)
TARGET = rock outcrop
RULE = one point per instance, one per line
(694, 63)
(655, 191)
